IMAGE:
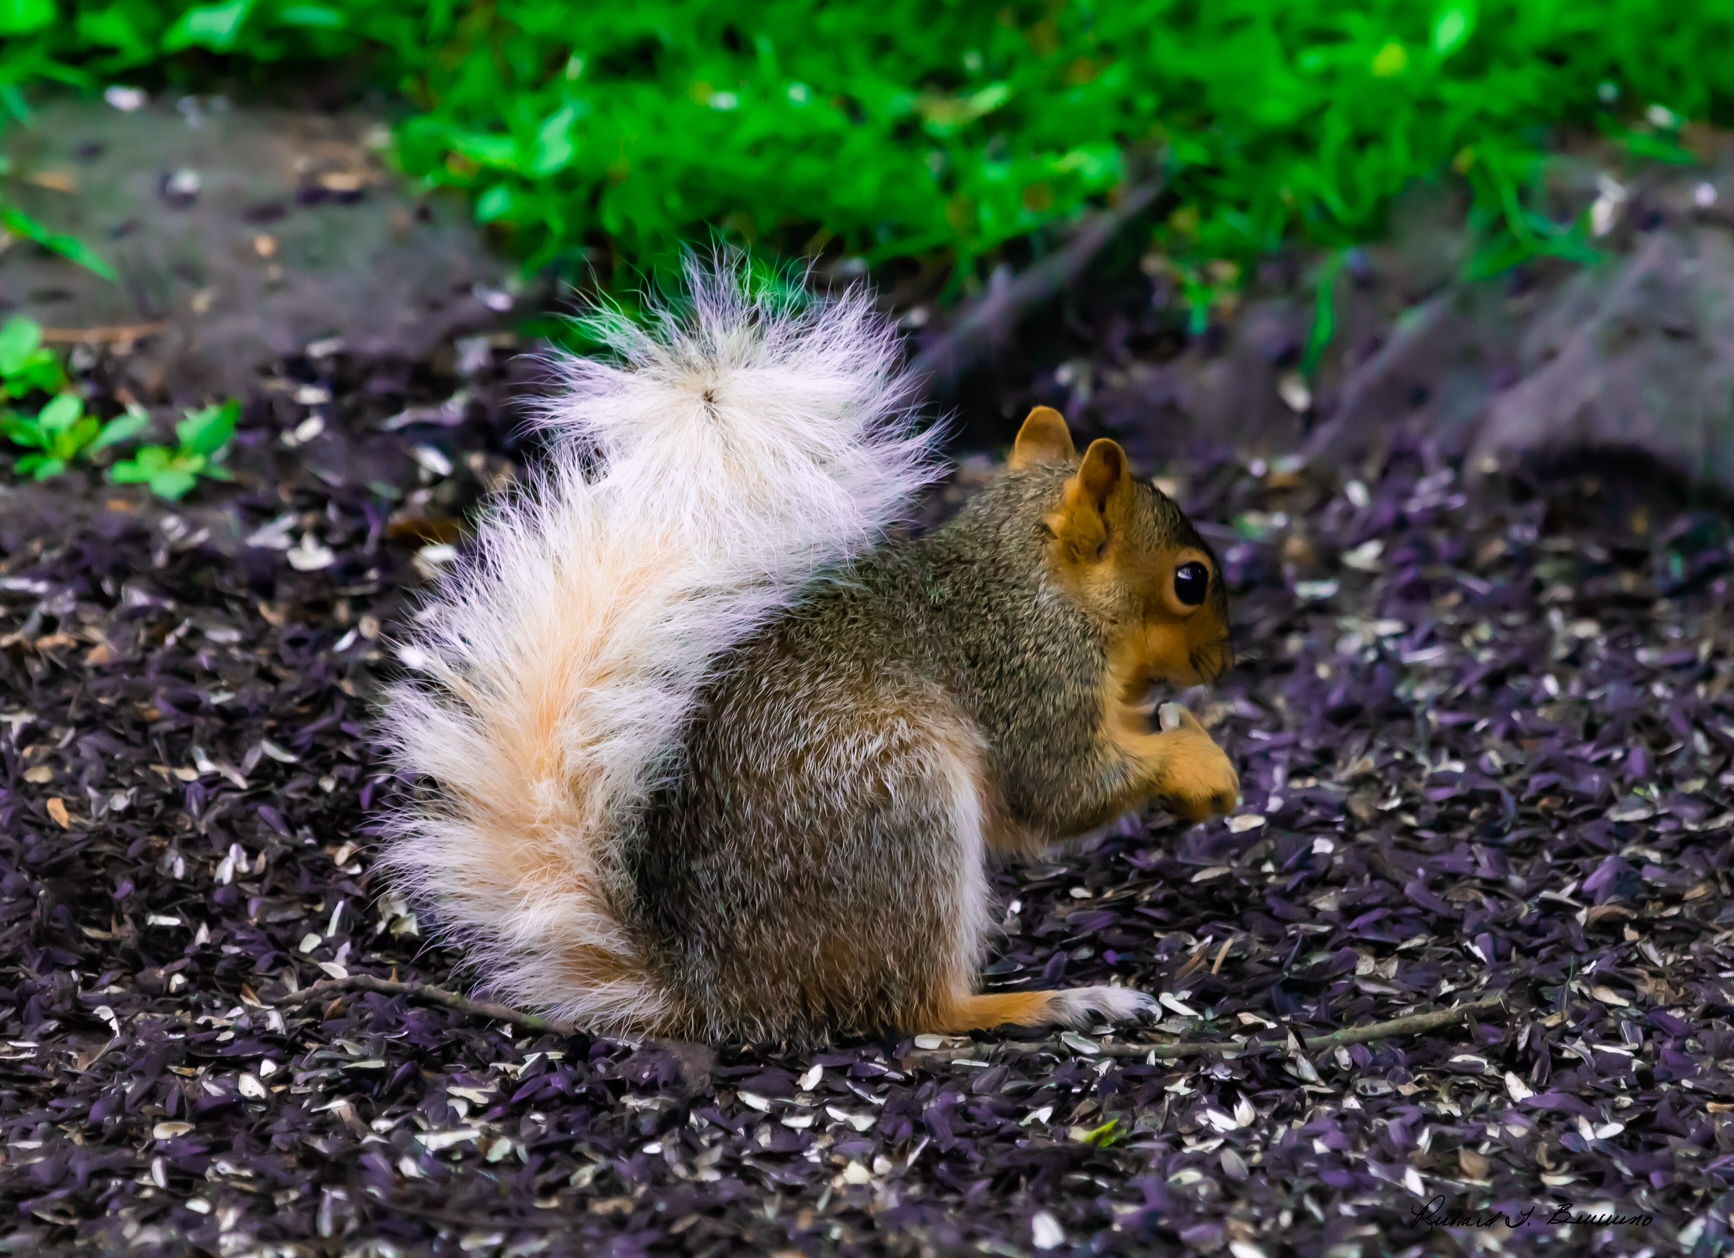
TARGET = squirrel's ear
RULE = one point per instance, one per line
(1081, 522)
(1104, 471)
(1044, 438)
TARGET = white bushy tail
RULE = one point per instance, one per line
(695, 486)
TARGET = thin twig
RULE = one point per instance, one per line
(991, 319)
(429, 993)
(1413, 1024)
(101, 336)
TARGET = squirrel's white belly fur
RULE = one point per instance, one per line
(695, 487)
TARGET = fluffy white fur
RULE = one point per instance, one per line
(959, 766)
(730, 453)
(1078, 1006)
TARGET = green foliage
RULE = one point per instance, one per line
(62, 432)
(1324, 314)
(607, 135)
(26, 365)
(171, 473)
(16, 221)
(22, 17)
(15, 16)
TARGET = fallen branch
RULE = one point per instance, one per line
(989, 321)
(430, 994)
(1413, 1024)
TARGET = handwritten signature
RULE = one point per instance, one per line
(1435, 1214)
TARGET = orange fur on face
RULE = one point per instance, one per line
(1118, 544)
(1171, 643)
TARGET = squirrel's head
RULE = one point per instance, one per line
(1129, 553)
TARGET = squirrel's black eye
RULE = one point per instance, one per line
(1191, 583)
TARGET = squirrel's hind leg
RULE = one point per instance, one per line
(1072, 1007)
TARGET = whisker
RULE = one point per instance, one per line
(1212, 659)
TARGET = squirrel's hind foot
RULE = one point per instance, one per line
(1073, 1007)
(1078, 1006)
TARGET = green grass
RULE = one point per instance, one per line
(949, 135)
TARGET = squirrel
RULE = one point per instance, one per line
(705, 749)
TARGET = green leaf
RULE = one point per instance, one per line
(495, 204)
(1324, 315)
(147, 462)
(120, 428)
(21, 17)
(1104, 1135)
(313, 17)
(554, 148)
(204, 432)
(12, 100)
(40, 375)
(61, 414)
(23, 432)
(172, 484)
(113, 27)
(68, 247)
(19, 339)
(1452, 27)
(40, 466)
(213, 26)
(948, 113)
(1497, 258)
(172, 474)
(1390, 61)
(497, 151)
(1657, 148)
(1097, 166)
(68, 444)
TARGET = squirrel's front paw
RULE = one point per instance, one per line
(1198, 782)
